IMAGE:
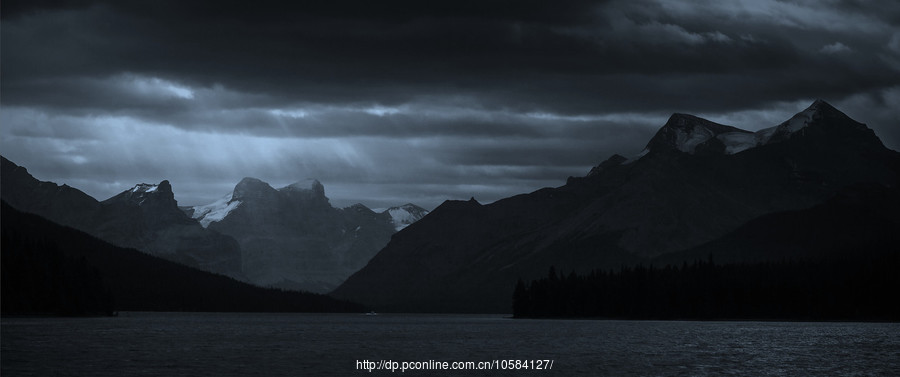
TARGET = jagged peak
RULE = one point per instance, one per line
(821, 106)
(688, 121)
(310, 184)
(251, 188)
(684, 132)
(820, 102)
(143, 187)
(404, 215)
(163, 187)
(251, 181)
(817, 111)
(821, 109)
(141, 192)
(682, 119)
(408, 206)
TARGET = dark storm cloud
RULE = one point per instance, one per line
(535, 55)
(491, 94)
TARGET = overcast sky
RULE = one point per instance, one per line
(388, 102)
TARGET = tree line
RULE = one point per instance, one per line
(853, 288)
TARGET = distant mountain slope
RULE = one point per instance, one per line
(837, 260)
(64, 204)
(292, 237)
(145, 217)
(695, 182)
(136, 281)
(403, 216)
(858, 221)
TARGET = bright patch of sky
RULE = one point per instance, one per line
(154, 86)
(835, 48)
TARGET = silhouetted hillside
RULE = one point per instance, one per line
(696, 182)
(51, 269)
(858, 221)
(145, 218)
(835, 261)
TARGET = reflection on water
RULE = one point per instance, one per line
(217, 344)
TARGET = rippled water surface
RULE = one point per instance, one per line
(217, 344)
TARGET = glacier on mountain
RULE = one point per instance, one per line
(215, 211)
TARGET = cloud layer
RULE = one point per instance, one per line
(390, 102)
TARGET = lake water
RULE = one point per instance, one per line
(218, 344)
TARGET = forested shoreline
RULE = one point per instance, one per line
(834, 289)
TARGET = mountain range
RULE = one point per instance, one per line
(818, 185)
(694, 185)
(50, 269)
(145, 217)
(293, 238)
(287, 238)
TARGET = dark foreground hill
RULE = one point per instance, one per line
(696, 182)
(51, 269)
(834, 261)
(145, 218)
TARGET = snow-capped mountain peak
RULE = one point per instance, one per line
(691, 134)
(147, 188)
(403, 216)
(144, 187)
(784, 130)
(811, 116)
(141, 192)
(686, 133)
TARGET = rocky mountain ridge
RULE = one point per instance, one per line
(145, 217)
(689, 187)
(288, 238)
(291, 237)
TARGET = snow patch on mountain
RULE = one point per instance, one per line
(686, 132)
(784, 130)
(736, 142)
(144, 187)
(688, 140)
(142, 192)
(215, 211)
(403, 216)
